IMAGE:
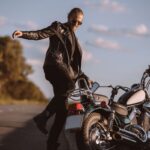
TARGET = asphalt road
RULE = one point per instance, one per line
(18, 131)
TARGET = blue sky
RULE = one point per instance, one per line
(115, 36)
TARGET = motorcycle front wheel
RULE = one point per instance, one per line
(95, 135)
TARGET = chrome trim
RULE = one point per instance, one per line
(148, 135)
(146, 106)
(134, 112)
(130, 136)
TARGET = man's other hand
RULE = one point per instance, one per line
(17, 34)
(90, 82)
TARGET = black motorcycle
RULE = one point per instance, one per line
(104, 123)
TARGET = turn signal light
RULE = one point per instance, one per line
(74, 109)
(75, 106)
(103, 104)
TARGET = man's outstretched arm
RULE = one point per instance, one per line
(36, 35)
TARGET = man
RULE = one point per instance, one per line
(62, 67)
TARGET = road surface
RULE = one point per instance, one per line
(18, 131)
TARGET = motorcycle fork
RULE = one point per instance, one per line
(146, 121)
(111, 121)
(107, 133)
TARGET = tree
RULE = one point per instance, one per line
(24, 89)
(14, 71)
(12, 64)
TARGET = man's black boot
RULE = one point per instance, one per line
(53, 146)
(40, 121)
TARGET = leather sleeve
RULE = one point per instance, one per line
(40, 34)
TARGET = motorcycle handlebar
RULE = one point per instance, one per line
(115, 91)
(126, 89)
(119, 87)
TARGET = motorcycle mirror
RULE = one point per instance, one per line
(94, 87)
(148, 70)
(135, 86)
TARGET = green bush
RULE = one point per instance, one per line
(14, 71)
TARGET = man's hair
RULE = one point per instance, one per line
(75, 11)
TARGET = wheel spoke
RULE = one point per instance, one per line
(98, 138)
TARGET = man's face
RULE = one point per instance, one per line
(76, 21)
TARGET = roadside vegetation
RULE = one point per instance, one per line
(14, 83)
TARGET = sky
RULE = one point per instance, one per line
(114, 36)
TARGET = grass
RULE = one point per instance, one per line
(7, 101)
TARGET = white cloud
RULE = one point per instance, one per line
(40, 46)
(141, 29)
(34, 62)
(107, 5)
(87, 56)
(3, 21)
(100, 28)
(106, 44)
(112, 6)
(138, 31)
(28, 25)
(31, 25)
(27, 45)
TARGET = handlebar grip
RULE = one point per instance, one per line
(124, 88)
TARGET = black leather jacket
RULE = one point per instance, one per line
(62, 41)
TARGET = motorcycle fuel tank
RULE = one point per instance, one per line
(136, 98)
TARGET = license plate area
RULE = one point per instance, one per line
(73, 122)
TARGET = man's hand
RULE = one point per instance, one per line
(90, 82)
(17, 34)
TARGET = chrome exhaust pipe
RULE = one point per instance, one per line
(148, 135)
(118, 136)
(130, 136)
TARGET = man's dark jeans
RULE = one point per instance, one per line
(63, 84)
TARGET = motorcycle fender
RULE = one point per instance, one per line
(102, 111)
(74, 122)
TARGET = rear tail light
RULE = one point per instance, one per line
(79, 106)
(75, 108)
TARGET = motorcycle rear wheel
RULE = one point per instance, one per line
(94, 133)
